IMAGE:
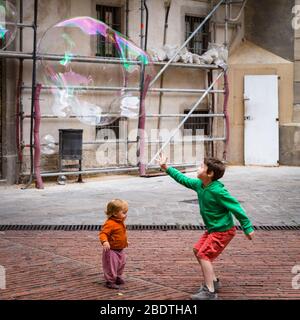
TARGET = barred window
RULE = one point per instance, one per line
(105, 48)
(199, 43)
(108, 132)
(112, 17)
(197, 123)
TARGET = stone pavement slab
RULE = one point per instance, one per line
(60, 265)
(270, 196)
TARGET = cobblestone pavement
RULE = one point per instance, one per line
(269, 195)
(67, 265)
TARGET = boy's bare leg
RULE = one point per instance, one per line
(208, 273)
(212, 270)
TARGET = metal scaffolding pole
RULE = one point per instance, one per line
(184, 120)
(211, 110)
(165, 115)
(53, 57)
(226, 24)
(167, 5)
(100, 88)
(142, 120)
(101, 170)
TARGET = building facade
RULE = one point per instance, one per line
(261, 40)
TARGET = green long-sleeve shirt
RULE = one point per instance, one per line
(216, 204)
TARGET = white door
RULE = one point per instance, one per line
(261, 136)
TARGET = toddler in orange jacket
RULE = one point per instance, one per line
(113, 238)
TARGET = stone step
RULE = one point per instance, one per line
(3, 182)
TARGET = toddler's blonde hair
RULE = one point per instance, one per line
(114, 206)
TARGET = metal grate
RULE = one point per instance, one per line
(93, 227)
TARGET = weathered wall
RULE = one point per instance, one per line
(247, 60)
(268, 24)
(297, 68)
(289, 134)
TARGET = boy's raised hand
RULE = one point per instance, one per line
(162, 160)
(250, 235)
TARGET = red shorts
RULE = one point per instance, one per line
(210, 245)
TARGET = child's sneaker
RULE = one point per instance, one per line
(204, 294)
(111, 285)
(120, 281)
(217, 286)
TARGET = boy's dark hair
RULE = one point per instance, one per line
(216, 166)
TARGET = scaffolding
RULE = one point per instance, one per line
(141, 167)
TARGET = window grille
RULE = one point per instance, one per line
(199, 42)
(112, 17)
(108, 132)
(197, 123)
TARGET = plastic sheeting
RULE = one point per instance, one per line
(216, 54)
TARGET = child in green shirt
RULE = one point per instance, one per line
(216, 208)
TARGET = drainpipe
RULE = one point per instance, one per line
(33, 87)
(19, 107)
(226, 87)
(226, 114)
(126, 17)
(37, 146)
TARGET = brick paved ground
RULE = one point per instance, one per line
(67, 265)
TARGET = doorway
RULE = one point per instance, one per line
(261, 122)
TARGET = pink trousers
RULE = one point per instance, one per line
(113, 263)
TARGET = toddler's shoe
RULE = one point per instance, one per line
(120, 281)
(111, 285)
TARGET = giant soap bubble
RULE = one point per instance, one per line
(48, 144)
(74, 84)
(8, 24)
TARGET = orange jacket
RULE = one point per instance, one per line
(114, 231)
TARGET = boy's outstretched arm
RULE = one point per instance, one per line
(177, 175)
(236, 209)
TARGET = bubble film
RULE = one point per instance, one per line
(8, 24)
(48, 144)
(73, 84)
